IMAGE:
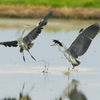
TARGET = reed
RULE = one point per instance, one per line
(39, 12)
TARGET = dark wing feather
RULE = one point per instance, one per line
(79, 46)
(92, 30)
(82, 42)
(10, 43)
(37, 30)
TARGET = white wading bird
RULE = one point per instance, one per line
(80, 44)
(25, 43)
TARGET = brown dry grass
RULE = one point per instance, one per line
(40, 11)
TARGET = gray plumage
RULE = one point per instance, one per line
(80, 44)
(25, 43)
(37, 30)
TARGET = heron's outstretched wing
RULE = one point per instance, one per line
(37, 30)
(10, 43)
(92, 30)
(82, 42)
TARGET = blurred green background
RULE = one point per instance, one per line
(54, 3)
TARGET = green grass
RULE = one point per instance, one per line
(54, 3)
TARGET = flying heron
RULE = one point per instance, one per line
(25, 43)
(80, 44)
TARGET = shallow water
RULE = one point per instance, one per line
(14, 72)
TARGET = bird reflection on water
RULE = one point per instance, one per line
(72, 93)
(21, 95)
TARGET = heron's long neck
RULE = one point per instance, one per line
(23, 31)
(63, 48)
(20, 39)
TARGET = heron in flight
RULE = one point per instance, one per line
(25, 43)
(80, 44)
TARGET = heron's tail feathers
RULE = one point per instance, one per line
(21, 50)
(76, 64)
(30, 45)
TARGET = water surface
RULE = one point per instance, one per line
(14, 72)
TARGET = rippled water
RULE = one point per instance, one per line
(14, 72)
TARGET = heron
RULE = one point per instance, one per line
(25, 43)
(79, 45)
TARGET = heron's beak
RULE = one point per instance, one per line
(53, 45)
(27, 25)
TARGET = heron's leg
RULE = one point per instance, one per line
(31, 55)
(21, 51)
(23, 56)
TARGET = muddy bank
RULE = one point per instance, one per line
(40, 11)
(53, 23)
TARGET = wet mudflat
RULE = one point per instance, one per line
(83, 82)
